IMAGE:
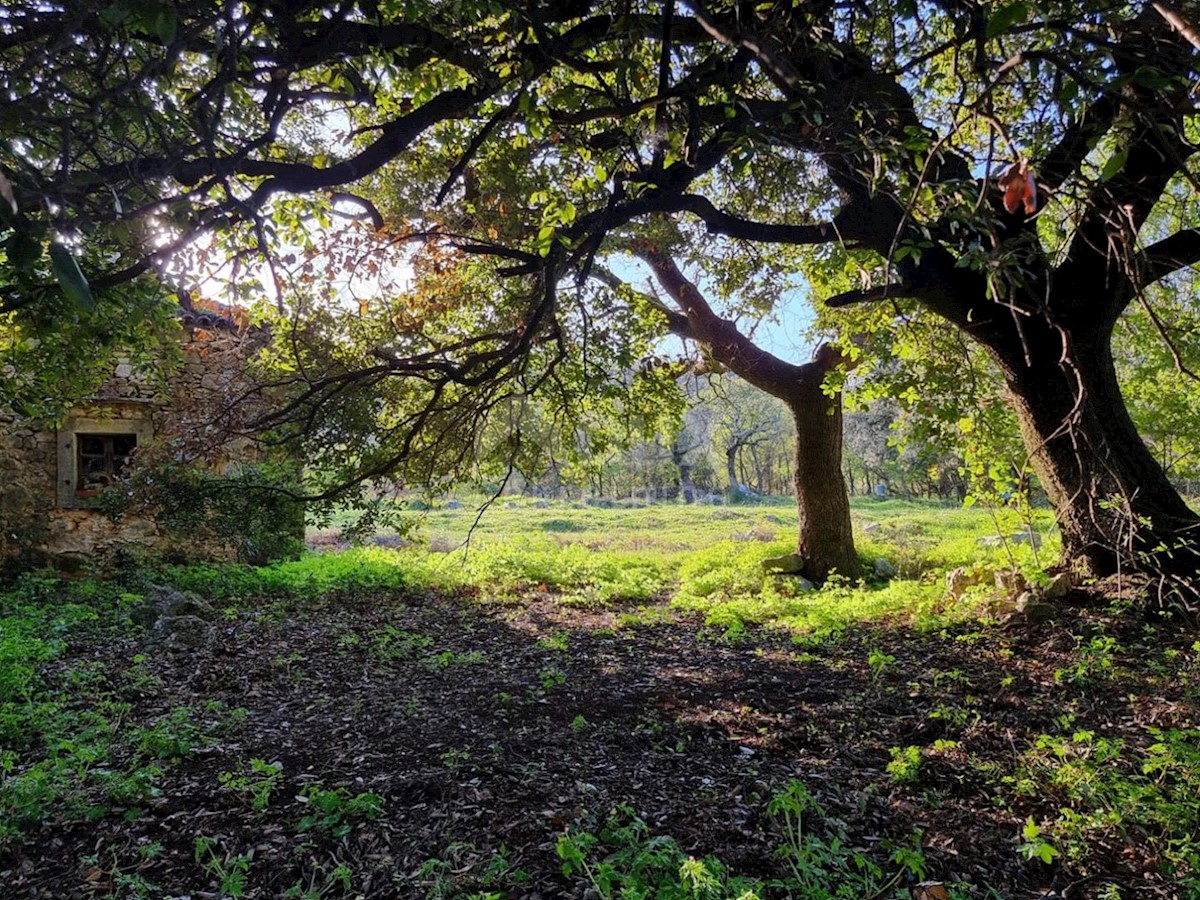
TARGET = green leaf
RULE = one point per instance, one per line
(1114, 165)
(23, 249)
(70, 277)
(1005, 17)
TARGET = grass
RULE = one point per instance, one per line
(707, 558)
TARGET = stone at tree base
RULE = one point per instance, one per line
(788, 564)
(1060, 585)
(166, 602)
(1010, 582)
(797, 584)
(1035, 608)
(175, 618)
(960, 579)
(884, 568)
(1017, 537)
(182, 631)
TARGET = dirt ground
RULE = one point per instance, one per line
(487, 728)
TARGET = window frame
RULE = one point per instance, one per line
(90, 424)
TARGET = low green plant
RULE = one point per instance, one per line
(1105, 789)
(256, 784)
(448, 658)
(905, 767)
(321, 882)
(639, 864)
(1034, 846)
(392, 643)
(820, 863)
(229, 870)
(551, 677)
(337, 810)
(454, 757)
(1094, 665)
(625, 860)
(879, 662)
(463, 872)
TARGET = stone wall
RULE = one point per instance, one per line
(200, 415)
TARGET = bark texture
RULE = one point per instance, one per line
(1113, 502)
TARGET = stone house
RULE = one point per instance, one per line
(52, 474)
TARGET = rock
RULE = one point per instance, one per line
(1026, 537)
(789, 564)
(1010, 582)
(958, 580)
(884, 568)
(453, 504)
(1017, 537)
(541, 504)
(1035, 608)
(1060, 585)
(168, 603)
(798, 584)
(871, 527)
(183, 631)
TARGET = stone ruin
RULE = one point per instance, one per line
(52, 473)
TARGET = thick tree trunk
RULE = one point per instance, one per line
(1114, 504)
(826, 540)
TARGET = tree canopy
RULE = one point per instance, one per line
(1022, 171)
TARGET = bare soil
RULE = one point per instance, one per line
(485, 735)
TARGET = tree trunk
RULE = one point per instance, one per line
(685, 483)
(1113, 502)
(735, 487)
(826, 540)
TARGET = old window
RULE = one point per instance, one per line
(95, 448)
(101, 460)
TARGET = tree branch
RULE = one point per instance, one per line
(727, 345)
(1171, 254)
(720, 222)
(870, 295)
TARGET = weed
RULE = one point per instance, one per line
(1104, 788)
(558, 642)
(454, 757)
(625, 860)
(463, 872)
(1095, 663)
(228, 870)
(393, 643)
(255, 785)
(448, 658)
(879, 662)
(905, 766)
(551, 677)
(337, 810)
(175, 736)
(1034, 847)
(321, 882)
